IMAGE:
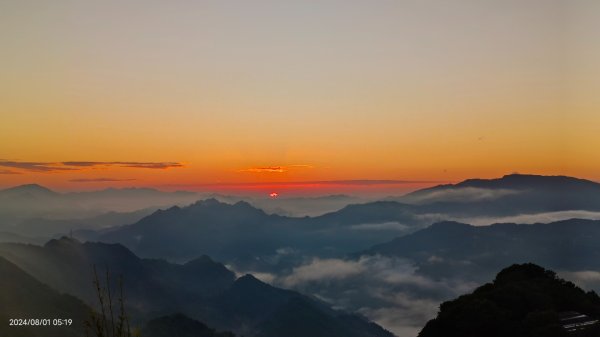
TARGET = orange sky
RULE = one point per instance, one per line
(196, 94)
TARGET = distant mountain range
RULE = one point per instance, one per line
(451, 249)
(249, 238)
(509, 195)
(32, 201)
(49, 228)
(202, 289)
(286, 248)
(524, 301)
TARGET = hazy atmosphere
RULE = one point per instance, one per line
(203, 95)
(402, 168)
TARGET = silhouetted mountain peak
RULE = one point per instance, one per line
(208, 203)
(33, 189)
(449, 225)
(243, 204)
(203, 259)
(212, 203)
(248, 279)
(523, 181)
(249, 284)
(214, 206)
(206, 265)
(161, 212)
(64, 241)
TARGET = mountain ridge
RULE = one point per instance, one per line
(203, 289)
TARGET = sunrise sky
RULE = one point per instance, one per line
(350, 95)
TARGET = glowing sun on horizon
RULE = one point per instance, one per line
(273, 195)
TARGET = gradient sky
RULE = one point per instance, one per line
(197, 93)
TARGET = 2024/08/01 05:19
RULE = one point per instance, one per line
(40, 321)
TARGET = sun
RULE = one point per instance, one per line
(273, 195)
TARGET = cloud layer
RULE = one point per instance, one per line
(464, 194)
(8, 172)
(545, 217)
(387, 290)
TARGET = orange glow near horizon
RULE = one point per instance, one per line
(208, 96)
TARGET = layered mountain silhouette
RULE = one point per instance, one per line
(509, 195)
(452, 249)
(35, 202)
(523, 301)
(243, 235)
(202, 289)
(48, 228)
(250, 238)
(24, 297)
(355, 225)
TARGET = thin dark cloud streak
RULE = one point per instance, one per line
(9, 172)
(94, 180)
(275, 169)
(47, 167)
(161, 165)
(36, 166)
(80, 163)
(131, 164)
(359, 182)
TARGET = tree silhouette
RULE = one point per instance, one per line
(103, 323)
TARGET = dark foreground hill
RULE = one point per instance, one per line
(179, 325)
(23, 297)
(202, 289)
(523, 301)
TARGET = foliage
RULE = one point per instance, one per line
(523, 301)
(103, 323)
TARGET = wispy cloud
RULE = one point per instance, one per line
(389, 291)
(311, 183)
(9, 172)
(36, 166)
(160, 166)
(132, 164)
(373, 182)
(95, 180)
(464, 194)
(393, 225)
(275, 169)
(545, 217)
(80, 165)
